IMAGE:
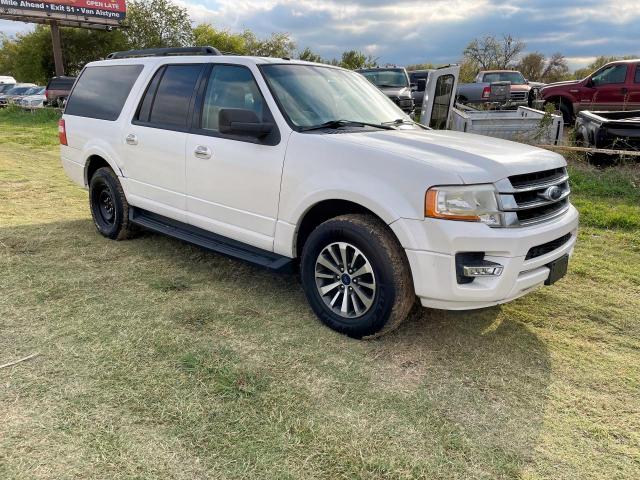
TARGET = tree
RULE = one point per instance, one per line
(532, 66)
(279, 45)
(225, 41)
(29, 56)
(491, 53)
(308, 55)
(157, 24)
(556, 69)
(354, 59)
(468, 71)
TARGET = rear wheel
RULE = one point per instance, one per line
(356, 276)
(108, 204)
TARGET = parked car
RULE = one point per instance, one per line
(615, 86)
(394, 83)
(18, 90)
(479, 91)
(58, 90)
(283, 163)
(6, 83)
(608, 130)
(34, 99)
(418, 81)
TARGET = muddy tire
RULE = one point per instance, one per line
(108, 205)
(356, 276)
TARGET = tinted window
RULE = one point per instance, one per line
(231, 87)
(609, 75)
(637, 79)
(515, 78)
(61, 83)
(170, 105)
(101, 91)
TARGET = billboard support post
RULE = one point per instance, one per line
(57, 49)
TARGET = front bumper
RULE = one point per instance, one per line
(434, 271)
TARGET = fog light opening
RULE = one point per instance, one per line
(470, 265)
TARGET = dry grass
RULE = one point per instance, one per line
(159, 360)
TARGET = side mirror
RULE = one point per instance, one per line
(414, 87)
(238, 121)
(589, 83)
(422, 84)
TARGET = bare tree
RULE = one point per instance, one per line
(489, 52)
(557, 68)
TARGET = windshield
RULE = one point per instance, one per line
(18, 90)
(5, 87)
(515, 78)
(386, 78)
(312, 95)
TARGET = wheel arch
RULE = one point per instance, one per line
(96, 160)
(323, 210)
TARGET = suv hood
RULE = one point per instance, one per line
(474, 158)
(561, 84)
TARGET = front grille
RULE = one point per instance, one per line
(535, 197)
(519, 96)
(548, 247)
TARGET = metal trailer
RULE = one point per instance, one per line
(522, 125)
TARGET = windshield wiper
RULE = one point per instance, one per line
(345, 123)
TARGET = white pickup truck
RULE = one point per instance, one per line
(290, 164)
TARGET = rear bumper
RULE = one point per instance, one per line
(434, 269)
(74, 170)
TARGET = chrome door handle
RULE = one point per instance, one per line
(131, 139)
(202, 152)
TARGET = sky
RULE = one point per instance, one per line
(429, 31)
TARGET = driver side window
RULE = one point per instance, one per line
(610, 75)
(230, 86)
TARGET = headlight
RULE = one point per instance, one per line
(473, 203)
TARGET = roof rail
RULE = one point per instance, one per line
(164, 52)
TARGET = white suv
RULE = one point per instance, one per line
(286, 163)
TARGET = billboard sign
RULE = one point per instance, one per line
(69, 12)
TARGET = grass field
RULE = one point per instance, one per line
(160, 360)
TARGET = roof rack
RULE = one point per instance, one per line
(164, 52)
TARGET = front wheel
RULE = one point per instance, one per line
(356, 276)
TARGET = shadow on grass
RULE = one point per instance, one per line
(480, 377)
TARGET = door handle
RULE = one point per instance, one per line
(131, 139)
(202, 152)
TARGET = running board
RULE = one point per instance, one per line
(210, 241)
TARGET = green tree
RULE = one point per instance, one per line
(308, 55)
(353, 59)
(532, 66)
(224, 40)
(29, 56)
(157, 24)
(278, 45)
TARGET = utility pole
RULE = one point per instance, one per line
(57, 48)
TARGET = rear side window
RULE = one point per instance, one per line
(167, 100)
(101, 91)
(60, 83)
(637, 79)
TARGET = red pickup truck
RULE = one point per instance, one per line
(616, 86)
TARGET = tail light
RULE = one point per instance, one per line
(46, 94)
(486, 91)
(62, 132)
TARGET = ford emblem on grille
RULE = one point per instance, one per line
(552, 193)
